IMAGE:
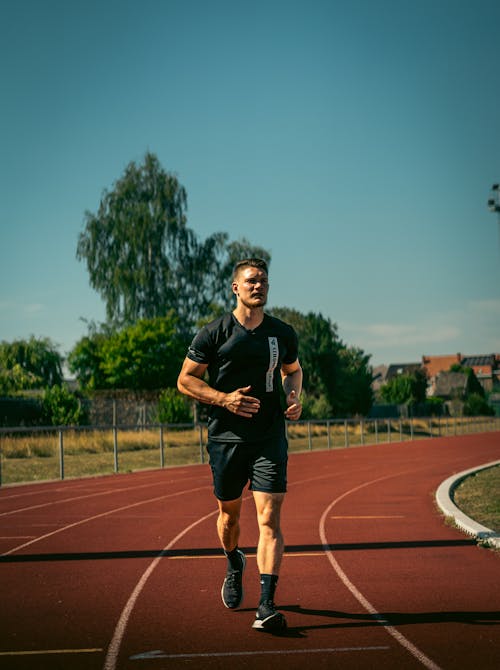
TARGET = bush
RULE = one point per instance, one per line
(61, 407)
(173, 407)
(315, 407)
(476, 405)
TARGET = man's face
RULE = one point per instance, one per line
(251, 286)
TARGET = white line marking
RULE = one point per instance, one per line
(278, 652)
(99, 516)
(83, 497)
(403, 641)
(42, 652)
(395, 516)
(116, 640)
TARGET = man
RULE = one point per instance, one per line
(252, 362)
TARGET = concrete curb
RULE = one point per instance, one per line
(444, 499)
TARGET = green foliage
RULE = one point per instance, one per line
(143, 259)
(173, 407)
(473, 383)
(315, 407)
(61, 407)
(337, 376)
(476, 405)
(145, 355)
(29, 364)
(405, 389)
(434, 406)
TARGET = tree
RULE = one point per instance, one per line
(332, 371)
(29, 364)
(405, 389)
(144, 356)
(144, 260)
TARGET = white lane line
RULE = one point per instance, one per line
(119, 633)
(403, 641)
(43, 652)
(101, 515)
(116, 640)
(148, 655)
(107, 492)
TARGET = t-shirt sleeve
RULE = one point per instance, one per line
(200, 348)
(292, 350)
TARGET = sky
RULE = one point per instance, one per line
(356, 140)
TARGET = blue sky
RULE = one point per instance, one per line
(356, 140)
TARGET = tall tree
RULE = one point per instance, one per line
(142, 258)
(332, 370)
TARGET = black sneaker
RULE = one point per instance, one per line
(232, 588)
(268, 618)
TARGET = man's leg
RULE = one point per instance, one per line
(269, 554)
(271, 545)
(228, 529)
(228, 523)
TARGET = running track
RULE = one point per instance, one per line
(124, 572)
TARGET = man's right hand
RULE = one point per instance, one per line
(238, 402)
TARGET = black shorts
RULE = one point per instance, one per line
(234, 464)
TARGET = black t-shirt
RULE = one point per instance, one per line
(238, 357)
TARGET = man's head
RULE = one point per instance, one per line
(250, 263)
(250, 283)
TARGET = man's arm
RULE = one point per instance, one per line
(291, 375)
(191, 383)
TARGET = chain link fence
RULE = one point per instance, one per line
(50, 453)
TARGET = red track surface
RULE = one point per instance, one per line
(125, 572)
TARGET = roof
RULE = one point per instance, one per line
(478, 361)
(396, 369)
(450, 383)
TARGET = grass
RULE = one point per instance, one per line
(478, 496)
(27, 456)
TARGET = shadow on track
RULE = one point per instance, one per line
(396, 619)
(217, 552)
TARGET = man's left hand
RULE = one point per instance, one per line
(294, 409)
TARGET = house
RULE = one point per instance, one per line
(396, 369)
(450, 385)
(435, 364)
(486, 368)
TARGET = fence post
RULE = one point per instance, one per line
(375, 424)
(400, 430)
(389, 437)
(162, 449)
(115, 447)
(61, 454)
(309, 440)
(202, 455)
(346, 434)
(411, 428)
(362, 431)
(327, 437)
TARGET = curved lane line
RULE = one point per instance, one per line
(116, 640)
(399, 637)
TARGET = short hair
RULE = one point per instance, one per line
(250, 263)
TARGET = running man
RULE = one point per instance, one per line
(252, 362)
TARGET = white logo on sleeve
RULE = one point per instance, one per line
(273, 362)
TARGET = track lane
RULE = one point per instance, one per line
(326, 621)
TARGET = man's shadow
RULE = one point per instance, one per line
(365, 620)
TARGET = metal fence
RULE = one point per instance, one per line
(49, 453)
